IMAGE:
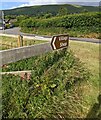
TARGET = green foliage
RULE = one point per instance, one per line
(48, 15)
(19, 19)
(10, 17)
(53, 9)
(28, 23)
(34, 62)
(69, 21)
(45, 95)
(7, 26)
(75, 25)
(84, 10)
(62, 11)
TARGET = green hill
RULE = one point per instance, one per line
(35, 10)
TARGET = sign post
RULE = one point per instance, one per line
(60, 41)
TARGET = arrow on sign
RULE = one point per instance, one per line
(60, 41)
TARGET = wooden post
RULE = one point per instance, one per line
(30, 43)
(21, 37)
(34, 41)
(25, 43)
(11, 45)
(20, 40)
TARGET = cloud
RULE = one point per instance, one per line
(45, 2)
(22, 5)
(49, 1)
(35, 2)
(15, 1)
(42, 2)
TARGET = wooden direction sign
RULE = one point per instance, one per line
(60, 41)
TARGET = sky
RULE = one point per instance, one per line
(10, 4)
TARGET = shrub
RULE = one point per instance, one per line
(67, 21)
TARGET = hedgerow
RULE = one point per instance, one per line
(67, 21)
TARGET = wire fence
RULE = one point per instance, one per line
(20, 42)
(4, 46)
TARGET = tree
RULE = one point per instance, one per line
(84, 10)
(62, 11)
(48, 15)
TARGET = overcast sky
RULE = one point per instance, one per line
(9, 4)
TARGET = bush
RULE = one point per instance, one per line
(67, 21)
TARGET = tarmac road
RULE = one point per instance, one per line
(16, 31)
(13, 31)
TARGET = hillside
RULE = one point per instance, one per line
(35, 10)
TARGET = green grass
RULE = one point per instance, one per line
(73, 32)
(75, 101)
(12, 42)
(88, 53)
(53, 76)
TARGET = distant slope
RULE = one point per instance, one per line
(35, 10)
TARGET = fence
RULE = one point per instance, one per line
(16, 54)
(16, 43)
(4, 46)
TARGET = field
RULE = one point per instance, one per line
(79, 98)
(12, 42)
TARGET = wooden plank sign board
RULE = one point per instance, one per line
(60, 41)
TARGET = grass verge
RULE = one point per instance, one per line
(73, 32)
(88, 53)
(12, 42)
(54, 99)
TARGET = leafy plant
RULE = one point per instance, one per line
(85, 23)
(53, 76)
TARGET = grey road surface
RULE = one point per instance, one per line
(16, 31)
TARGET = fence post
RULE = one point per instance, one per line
(11, 45)
(20, 40)
(21, 37)
(30, 43)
